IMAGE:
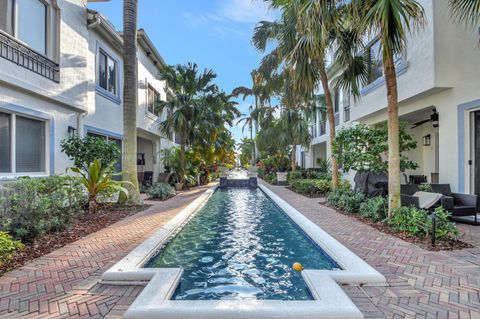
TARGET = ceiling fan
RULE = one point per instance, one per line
(433, 118)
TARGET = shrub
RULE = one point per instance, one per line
(8, 247)
(411, 220)
(374, 208)
(312, 186)
(83, 151)
(425, 187)
(417, 222)
(346, 199)
(33, 207)
(160, 191)
(293, 176)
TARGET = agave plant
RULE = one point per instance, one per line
(98, 178)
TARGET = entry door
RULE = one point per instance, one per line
(476, 152)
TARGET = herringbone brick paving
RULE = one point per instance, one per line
(422, 284)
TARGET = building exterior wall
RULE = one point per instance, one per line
(439, 69)
(74, 102)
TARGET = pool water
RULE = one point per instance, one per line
(240, 245)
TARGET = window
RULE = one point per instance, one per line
(374, 52)
(107, 73)
(376, 67)
(153, 99)
(22, 144)
(30, 145)
(346, 106)
(6, 16)
(336, 106)
(5, 149)
(32, 24)
(27, 21)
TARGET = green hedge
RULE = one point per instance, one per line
(160, 191)
(31, 208)
(413, 221)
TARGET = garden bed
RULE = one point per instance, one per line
(423, 242)
(83, 226)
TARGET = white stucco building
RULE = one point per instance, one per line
(438, 71)
(61, 73)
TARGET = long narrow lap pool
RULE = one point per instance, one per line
(240, 245)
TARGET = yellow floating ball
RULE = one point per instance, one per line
(297, 266)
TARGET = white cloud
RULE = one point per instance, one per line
(245, 11)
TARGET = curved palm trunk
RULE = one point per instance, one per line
(393, 133)
(331, 120)
(130, 99)
(294, 157)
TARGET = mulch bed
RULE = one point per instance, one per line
(425, 243)
(85, 225)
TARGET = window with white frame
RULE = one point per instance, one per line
(27, 21)
(107, 72)
(153, 99)
(22, 144)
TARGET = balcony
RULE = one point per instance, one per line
(18, 53)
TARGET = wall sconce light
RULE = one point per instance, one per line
(426, 140)
(72, 131)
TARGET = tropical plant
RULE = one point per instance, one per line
(8, 247)
(417, 222)
(466, 11)
(98, 179)
(160, 191)
(306, 33)
(130, 100)
(346, 199)
(374, 208)
(83, 151)
(190, 91)
(364, 148)
(247, 152)
(31, 208)
(392, 20)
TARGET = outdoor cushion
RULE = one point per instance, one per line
(427, 199)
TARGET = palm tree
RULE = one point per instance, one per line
(392, 20)
(466, 11)
(130, 100)
(304, 35)
(189, 88)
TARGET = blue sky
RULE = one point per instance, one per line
(215, 34)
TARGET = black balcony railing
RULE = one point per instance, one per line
(18, 53)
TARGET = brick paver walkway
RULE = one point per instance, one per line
(64, 284)
(422, 284)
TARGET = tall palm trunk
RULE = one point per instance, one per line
(130, 92)
(182, 160)
(294, 157)
(331, 120)
(393, 133)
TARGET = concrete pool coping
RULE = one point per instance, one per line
(330, 301)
